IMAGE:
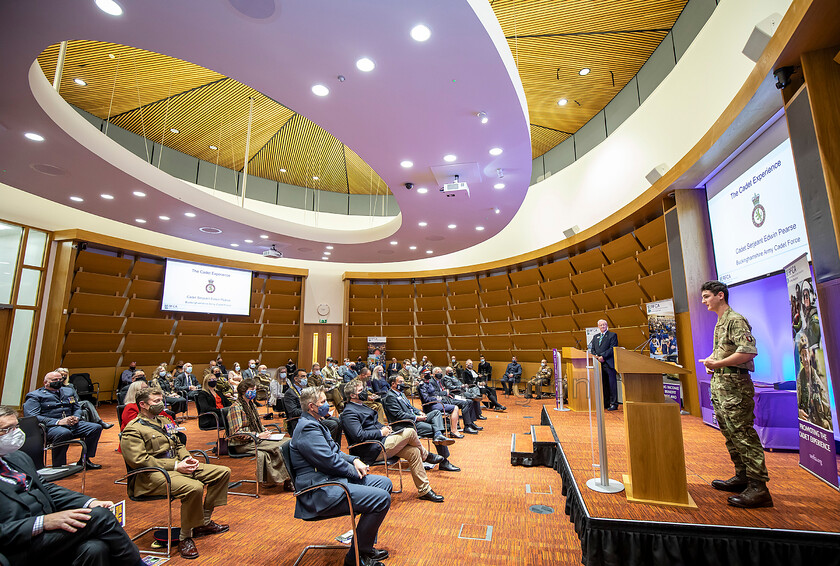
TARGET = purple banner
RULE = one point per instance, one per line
(673, 391)
(558, 378)
(816, 451)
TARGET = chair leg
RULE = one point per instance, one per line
(254, 481)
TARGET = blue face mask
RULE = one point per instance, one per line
(303, 382)
(324, 410)
(251, 394)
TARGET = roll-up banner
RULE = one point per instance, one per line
(376, 350)
(662, 330)
(816, 437)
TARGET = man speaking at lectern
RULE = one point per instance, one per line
(732, 397)
(602, 348)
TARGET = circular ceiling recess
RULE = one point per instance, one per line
(256, 9)
(48, 169)
(209, 230)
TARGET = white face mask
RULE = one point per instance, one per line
(188, 369)
(162, 374)
(12, 442)
(236, 367)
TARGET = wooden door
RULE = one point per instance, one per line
(5, 334)
(319, 341)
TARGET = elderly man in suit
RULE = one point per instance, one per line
(57, 408)
(291, 400)
(150, 441)
(41, 522)
(602, 348)
(316, 458)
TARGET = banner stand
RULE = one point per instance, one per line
(558, 383)
(603, 483)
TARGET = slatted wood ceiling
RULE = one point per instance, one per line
(551, 40)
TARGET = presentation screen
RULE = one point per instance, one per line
(756, 220)
(194, 287)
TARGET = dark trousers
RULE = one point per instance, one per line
(491, 396)
(88, 432)
(101, 542)
(371, 499)
(467, 412)
(432, 426)
(89, 412)
(610, 386)
(507, 384)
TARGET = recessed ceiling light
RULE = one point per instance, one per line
(422, 224)
(315, 177)
(213, 147)
(282, 170)
(139, 193)
(422, 190)
(406, 164)
(107, 196)
(234, 245)
(449, 158)
(394, 242)
(209, 230)
(175, 130)
(109, 7)
(189, 214)
(140, 220)
(499, 186)
(33, 136)
(249, 241)
(585, 71)
(483, 117)
(365, 65)
(320, 90)
(452, 226)
(497, 211)
(327, 253)
(329, 247)
(412, 248)
(563, 102)
(80, 82)
(479, 228)
(163, 217)
(496, 151)
(420, 33)
(77, 199)
(325, 258)
(264, 236)
(429, 252)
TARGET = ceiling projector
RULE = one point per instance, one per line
(450, 189)
(272, 253)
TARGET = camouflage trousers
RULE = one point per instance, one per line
(732, 398)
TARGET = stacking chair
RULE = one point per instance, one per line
(256, 440)
(286, 450)
(35, 446)
(88, 390)
(388, 463)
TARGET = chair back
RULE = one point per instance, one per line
(286, 452)
(203, 405)
(120, 410)
(35, 441)
(82, 383)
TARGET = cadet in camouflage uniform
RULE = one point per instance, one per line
(543, 377)
(811, 392)
(732, 397)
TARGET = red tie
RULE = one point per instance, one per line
(17, 477)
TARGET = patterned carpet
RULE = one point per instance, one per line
(488, 492)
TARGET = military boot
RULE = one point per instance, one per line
(756, 495)
(735, 484)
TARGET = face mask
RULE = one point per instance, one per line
(12, 441)
(324, 410)
(236, 367)
(482, 360)
(453, 360)
(252, 366)
(188, 369)
(363, 396)
(303, 382)
(251, 394)
(347, 364)
(402, 387)
(449, 373)
(54, 384)
(317, 372)
(211, 382)
(414, 363)
(162, 373)
(282, 376)
(543, 364)
(438, 375)
(156, 409)
(218, 375)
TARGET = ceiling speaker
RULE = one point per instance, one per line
(760, 36)
(571, 231)
(656, 173)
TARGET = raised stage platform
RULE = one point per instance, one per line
(803, 527)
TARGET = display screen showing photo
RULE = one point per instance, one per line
(756, 220)
(194, 287)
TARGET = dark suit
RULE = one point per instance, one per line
(51, 406)
(399, 408)
(102, 540)
(183, 381)
(360, 423)
(315, 458)
(602, 345)
(434, 396)
(394, 368)
(291, 400)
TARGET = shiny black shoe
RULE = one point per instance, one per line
(476, 427)
(481, 418)
(456, 435)
(350, 560)
(105, 425)
(434, 458)
(447, 466)
(91, 466)
(470, 430)
(377, 554)
(501, 408)
(432, 496)
(441, 440)
(612, 407)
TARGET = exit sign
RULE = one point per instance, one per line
(322, 320)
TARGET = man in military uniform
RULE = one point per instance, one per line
(57, 408)
(732, 397)
(150, 441)
(318, 378)
(811, 392)
(543, 377)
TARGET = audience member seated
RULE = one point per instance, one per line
(43, 523)
(434, 399)
(429, 425)
(471, 398)
(251, 371)
(543, 377)
(186, 383)
(160, 379)
(471, 377)
(330, 372)
(243, 417)
(485, 371)
(235, 376)
(394, 367)
(291, 368)
(223, 386)
(347, 371)
(317, 378)
(263, 381)
(131, 410)
(457, 368)
(209, 401)
(291, 400)
(126, 377)
(370, 398)
(276, 389)
(360, 424)
(316, 458)
(513, 373)
(149, 441)
(379, 382)
(467, 407)
(89, 412)
(56, 408)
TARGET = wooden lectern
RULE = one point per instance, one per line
(653, 433)
(574, 368)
